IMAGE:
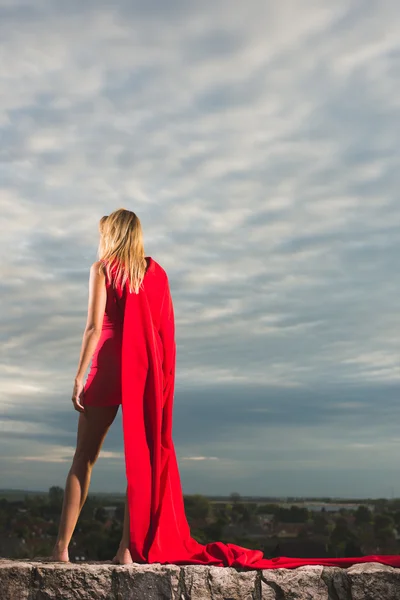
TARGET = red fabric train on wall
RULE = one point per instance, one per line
(159, 531)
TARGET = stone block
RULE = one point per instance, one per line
(218, 583)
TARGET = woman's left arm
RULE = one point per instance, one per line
(91, 335)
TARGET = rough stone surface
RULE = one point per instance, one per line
(15, 580)
(303, 583)
(216, 583)
(146, 582)
(68, 582)
(374, 581)
(43, 580)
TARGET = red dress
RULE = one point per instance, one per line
(103, 383)
(159, 530)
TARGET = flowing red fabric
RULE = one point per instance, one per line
(159, 531)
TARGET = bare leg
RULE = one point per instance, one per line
(123, 555)
(93, 425)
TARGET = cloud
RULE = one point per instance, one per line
(258, 145)
(199, 458)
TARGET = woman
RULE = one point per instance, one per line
(130, 336)
(99, 398)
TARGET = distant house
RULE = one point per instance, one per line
(288, 530)
(265, 518)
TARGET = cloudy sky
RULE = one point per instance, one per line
(259, 144)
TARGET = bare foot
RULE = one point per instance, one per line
(59, 554)
(122, 557)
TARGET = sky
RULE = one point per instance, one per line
(258, 144)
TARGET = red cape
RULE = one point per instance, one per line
(159, 531)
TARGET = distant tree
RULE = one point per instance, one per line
(241, 513)
(197, 507)
(88, 508)
(395, 504)
(222, 513)
(294, 514)
(396, 518)
(384, 529)
(94, 544)
(228, 512)
(340, 534)
(100, 514)
(56, 495)
(87, 526)
(303, 533)
(341, 539)
(235, 497)
(381, 504)
(120, 512)
(52, 529)
(320, 523)
(383, 521)
(21, 530)
(214, 531)
(352, 548)
(263, 509)
(362, 515)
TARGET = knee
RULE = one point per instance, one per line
(85, 458)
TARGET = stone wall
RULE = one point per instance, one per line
(41, 580)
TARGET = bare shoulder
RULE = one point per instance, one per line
(97, 269)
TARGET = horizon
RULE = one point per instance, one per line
(277, 499)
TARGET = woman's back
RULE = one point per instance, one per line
(103, 383)
(152, 286)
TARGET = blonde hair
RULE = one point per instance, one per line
(121, 241)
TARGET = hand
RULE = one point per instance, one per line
(77, 395)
